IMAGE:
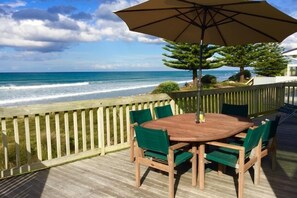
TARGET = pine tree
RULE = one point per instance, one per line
(270, 61)
(186, 56)
(237, 56)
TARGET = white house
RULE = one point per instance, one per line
(291, 71)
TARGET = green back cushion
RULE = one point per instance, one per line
(238, 110)
(152, 139)
(163, 111)
(140, 116)
(252, 137)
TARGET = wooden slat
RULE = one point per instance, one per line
(115, 126)
(128, 123)
(121, 112)
(84, 130)
(58, 134)
(4, 142)
(91, 121)
(107, 115)
(38, 137)
(67, 135)
(28, 142)
(48, 136)
(101, 136)
(75, 129)
(17, 141)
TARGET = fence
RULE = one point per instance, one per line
(40, 136)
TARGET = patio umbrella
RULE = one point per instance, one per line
(220, 22)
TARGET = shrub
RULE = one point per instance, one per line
(166, 87)
(209, 79)
(236, 77)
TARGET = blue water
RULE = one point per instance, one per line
(36, 88)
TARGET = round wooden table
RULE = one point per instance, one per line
(183, 128)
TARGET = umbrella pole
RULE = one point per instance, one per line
(199, 86)
(199, 89)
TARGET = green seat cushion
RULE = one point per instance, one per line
(179, 156)
(224, 156)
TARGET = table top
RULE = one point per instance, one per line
(216, 126)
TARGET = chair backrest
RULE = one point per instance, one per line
(140, 116)
(238, 110)
(163, 111)
(253, 137)
(271, 130)
(152, 139)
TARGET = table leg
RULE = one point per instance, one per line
(201, 151)
(194, 165)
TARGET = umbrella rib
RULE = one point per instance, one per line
(217, 27)
(164, 19)
(191, 22)
(226, 4)
(256, 30)
(256, 15)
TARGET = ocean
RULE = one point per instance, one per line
(38, 88)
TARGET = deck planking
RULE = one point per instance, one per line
(112, 175)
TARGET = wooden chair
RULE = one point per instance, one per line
(154, 150)
(163, 111)
(239, 110)
(137, 117)
(269, 141)
(240, 156)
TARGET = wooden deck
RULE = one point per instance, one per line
(112, 175)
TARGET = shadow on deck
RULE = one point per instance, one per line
(112, 175)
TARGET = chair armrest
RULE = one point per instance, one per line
(178, 146)
(241, 135)
(225, 145)
(133, 125)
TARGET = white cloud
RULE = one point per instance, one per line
(14, 4)
(22, 29)
(113, 28)
(290, 42)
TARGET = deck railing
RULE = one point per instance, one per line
(40, 136)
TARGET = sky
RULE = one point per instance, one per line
(83, 35)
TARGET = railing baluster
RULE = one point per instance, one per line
(91, 121)
(67, 134)
(121, 124)
(38, 137)
(128, 123)
(75, 129)
(48, 136)
(115, 126)
(28, 142)
(16, 141)
(4, 142)
(100, 120)
(58, 134)
(107, 125)
(83, 129)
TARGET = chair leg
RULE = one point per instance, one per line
(241, 174)
(258, 163)
(194, 165)
(171, 174)
(137, 172)
(221, 169)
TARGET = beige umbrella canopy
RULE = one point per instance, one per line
(220, 22)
